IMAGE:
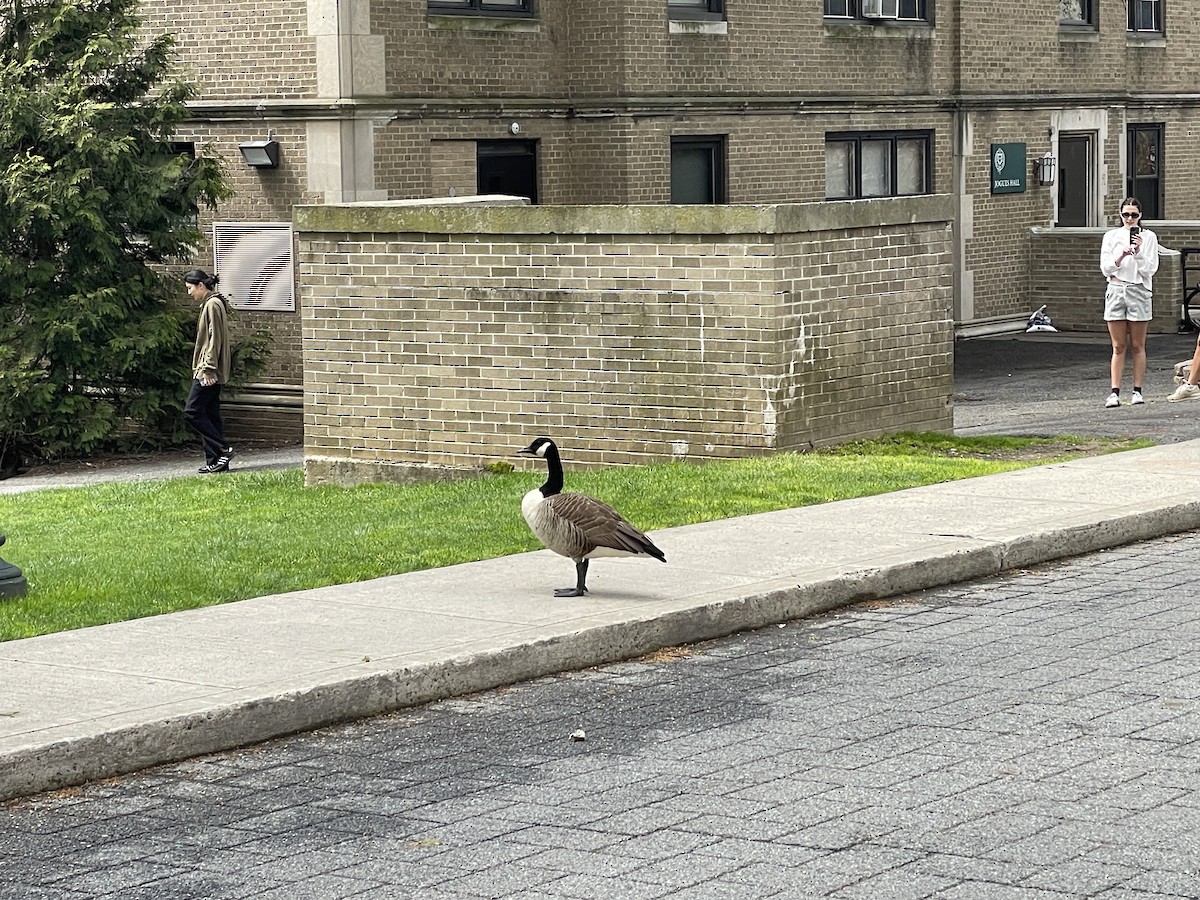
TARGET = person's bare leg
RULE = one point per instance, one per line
(1188, 389)
(1137, 350)
(1118, 333)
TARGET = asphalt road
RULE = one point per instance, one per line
(1034, 737)
(1047, 384)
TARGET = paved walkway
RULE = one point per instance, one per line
(172, 465)
(95, 702)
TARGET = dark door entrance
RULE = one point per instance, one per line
(507, 167)
(1074, 179)
(1144, 161)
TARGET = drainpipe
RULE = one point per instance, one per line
(964, 299)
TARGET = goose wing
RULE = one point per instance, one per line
(588, 524)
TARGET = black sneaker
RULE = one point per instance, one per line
(223, 461)
(221, 465)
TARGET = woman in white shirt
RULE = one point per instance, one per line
(1128, 259)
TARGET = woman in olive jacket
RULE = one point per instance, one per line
(210, 370)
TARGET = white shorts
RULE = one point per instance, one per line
(1127, 303)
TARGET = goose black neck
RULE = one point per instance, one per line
(554, 479)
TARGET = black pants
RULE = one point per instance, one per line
(203, 413)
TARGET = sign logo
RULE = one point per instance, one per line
(998, 160)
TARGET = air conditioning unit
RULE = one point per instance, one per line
(880, 9)
(254, 261)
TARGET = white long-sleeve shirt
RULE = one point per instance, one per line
(1138, 268)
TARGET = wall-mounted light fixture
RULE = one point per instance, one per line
(261, 154)
(1047, 168)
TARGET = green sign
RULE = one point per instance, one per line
(1008, 168)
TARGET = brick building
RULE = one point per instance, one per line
(711, 101)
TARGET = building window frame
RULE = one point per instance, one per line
(693, 10)
(1086, 18)
(522, 8)
(890, 143)
(1144, 166)
(909, 12)
(717, 186)
(1145, 16)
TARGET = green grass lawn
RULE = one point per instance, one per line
(119, 551)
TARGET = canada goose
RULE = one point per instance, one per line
(575, 525)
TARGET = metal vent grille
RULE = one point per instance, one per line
(254, 260)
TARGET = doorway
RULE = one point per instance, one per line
(1074, 180)
(507, 167)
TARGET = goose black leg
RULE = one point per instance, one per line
(580, 588)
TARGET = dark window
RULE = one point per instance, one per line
(483, 7)
(1144, 158)
(696, 9)
(698, 170)
(507, 167)
(879, 10)
(1078, 12)
(188, 149)
(877, 164)
(1145, 15)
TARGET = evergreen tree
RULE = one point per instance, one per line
(94, 202)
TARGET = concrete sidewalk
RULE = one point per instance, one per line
(100, 701)
(182, 464)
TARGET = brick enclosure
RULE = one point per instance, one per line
(447, 336)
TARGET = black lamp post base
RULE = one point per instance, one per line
(12, 582)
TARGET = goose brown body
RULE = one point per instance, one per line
(577, 526)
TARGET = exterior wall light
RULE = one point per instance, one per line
(1046, 169)
(261, 154)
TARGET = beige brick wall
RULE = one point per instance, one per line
(240, 51)
(260, 195)
(1064, 274)
(602, 88)
(444, 336)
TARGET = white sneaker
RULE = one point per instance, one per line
(1185, 392)
(1112, 401)
(1136, 399)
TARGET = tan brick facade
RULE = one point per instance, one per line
(446, 336)
(378, 100)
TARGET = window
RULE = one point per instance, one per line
(698, 170)
(902, 10)
(1145, 15)
(1077, 12)
(1144, 161)
(696, 9)
(877, 164)
(483, 7)
(507, 167)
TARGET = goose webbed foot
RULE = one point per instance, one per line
(580, 582)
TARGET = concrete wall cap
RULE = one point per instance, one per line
(497, 215)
